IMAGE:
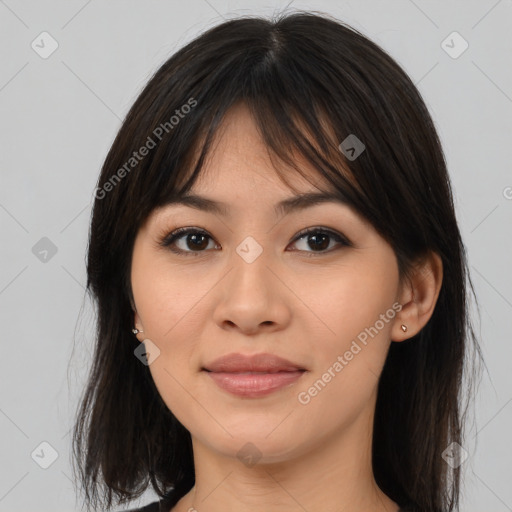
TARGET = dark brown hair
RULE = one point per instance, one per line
(310, 82)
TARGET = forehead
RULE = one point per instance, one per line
(241, 171)
(239, 158)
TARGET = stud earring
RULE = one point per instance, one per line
(136, 331)
(404, 327)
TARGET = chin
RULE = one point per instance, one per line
(251, 445)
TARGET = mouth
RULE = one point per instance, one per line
(254, 384)
(253, 376)
(257, 363)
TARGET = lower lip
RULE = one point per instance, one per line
(253, 385)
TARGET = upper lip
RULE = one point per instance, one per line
(236, 363)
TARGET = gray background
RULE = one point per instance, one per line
(59, 116)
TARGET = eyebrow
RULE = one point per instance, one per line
(284, 207)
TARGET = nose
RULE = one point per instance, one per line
(253, 297)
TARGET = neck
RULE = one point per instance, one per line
(330, 475)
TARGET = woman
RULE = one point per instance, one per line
(280, 282)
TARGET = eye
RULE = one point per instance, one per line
(195, 237)
(196, 240)
(318, 238)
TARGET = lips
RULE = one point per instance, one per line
(259, 363)
(253, 376)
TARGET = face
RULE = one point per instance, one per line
(246, 281)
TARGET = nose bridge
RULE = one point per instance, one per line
(251, 295)
(250, 250)
(251, 260)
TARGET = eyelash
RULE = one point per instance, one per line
(175, 235)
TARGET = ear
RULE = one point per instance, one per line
(418, 297)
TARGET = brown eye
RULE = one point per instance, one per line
(191, 238)
(318, 239)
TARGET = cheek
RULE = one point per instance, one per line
(171, 321)
(355, 315)
(169, 311)
(165, 297)
(348, 301)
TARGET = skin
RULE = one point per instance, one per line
(314, 456)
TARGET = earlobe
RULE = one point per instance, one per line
(137, 325)
(419, 297)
